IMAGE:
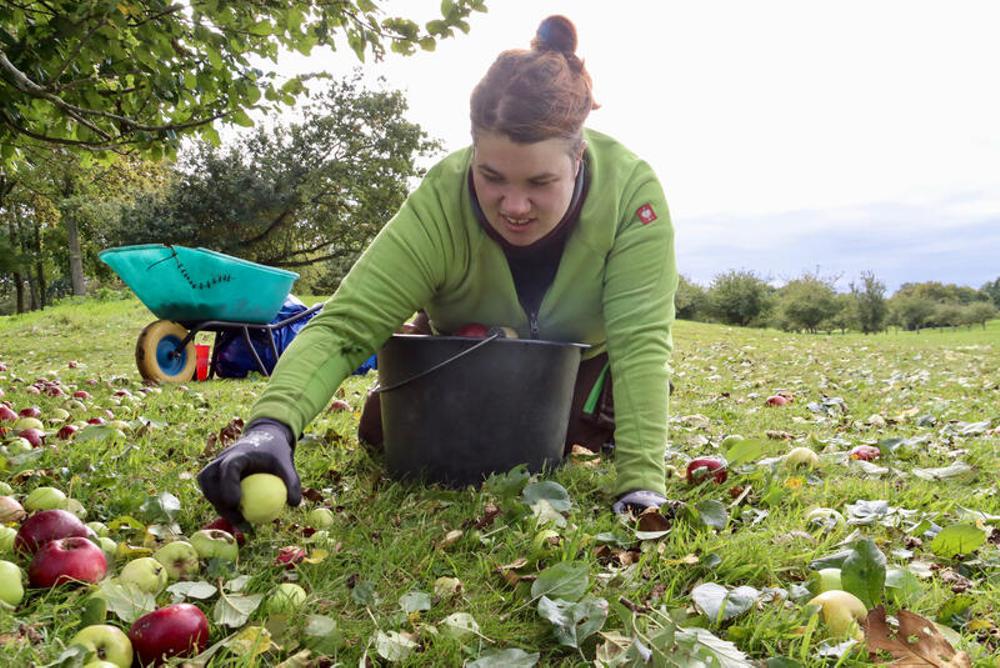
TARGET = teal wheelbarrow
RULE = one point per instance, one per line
(193, 290)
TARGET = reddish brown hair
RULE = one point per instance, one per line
(537, 94)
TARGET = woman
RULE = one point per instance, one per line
(542, 225)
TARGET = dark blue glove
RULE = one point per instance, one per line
(638, 501)
(266, 446)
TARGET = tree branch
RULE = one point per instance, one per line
(70, 58)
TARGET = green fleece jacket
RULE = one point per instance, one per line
(614, 290)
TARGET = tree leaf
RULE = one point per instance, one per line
(363, 593)
(250, 642)
(548, 490)
(566, 580)
(459, 625)
(863, 572)
(511, 657)
(574, 622)
(712, 514)
(234, 610)
(720, 604)
(957, 539)
(126, 600)
(508, 485)
(697, 643)
(917, 642)
(746, 451)
(956, 469)
(161, 508)
(415, 601)
(394, 646)
(199, 590)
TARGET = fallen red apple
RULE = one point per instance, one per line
(30, 411)
(72, 364)
(776, 400)
(66, 560)
(96, 420)
(700, 468)
(67, 431)
(473, 330)
(81, 394)
(34, 436)
(865, 453)
(289, 556)
(48, 525)
(175, 630)
(338, 406)
(54, 391)
(7, 414)
(31, 389)
(122, 393)
(225, 525)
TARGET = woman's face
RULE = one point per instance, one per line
(524, 189)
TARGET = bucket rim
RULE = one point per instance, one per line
(504, 340)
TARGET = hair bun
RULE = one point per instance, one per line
(556, 33)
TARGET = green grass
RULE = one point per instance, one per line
(389, 536)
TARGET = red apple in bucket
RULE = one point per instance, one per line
(473, 330)
(175, 630)
(66, 560)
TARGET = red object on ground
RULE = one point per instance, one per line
(201, 356)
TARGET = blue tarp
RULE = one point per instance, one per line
(235, 360)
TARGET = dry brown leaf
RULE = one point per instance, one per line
(450, 539)
(776, 435)
(652, 520)
(916, 644)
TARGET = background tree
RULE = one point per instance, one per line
(690, 300)
(843, 318)
(992, 290)
(869, 304)
(104, 75)
(979, 313)
(293, 195)
(739, 297)
(804, 303)
(910, 311)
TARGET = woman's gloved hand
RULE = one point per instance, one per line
(266, 446)
(638, 501)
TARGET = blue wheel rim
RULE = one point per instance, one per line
(170, 365)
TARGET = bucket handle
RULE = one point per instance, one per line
(496, 335)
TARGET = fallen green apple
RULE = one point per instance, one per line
(801, 457)
(180, 559)
(11, 583)
(286, 598)
(320, 518)
(45, 498)
(215, 544)
(842, 612)
(146, 573)
(7, 536)
(109, 643)
(825, 579)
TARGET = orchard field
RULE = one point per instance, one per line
(539, 571)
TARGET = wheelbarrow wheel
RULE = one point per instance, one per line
(156, 353)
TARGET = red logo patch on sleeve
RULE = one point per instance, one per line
(646, 214)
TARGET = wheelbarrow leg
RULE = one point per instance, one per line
(260, 364)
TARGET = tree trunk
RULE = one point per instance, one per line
(75, 254)
(19, 290)
(39, 266)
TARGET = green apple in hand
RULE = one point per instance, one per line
(180, 559)
(110, 643)
(842, 611)
(11, 583)
(215, 544)
(146, 573)
(263, 497)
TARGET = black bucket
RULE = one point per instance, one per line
(455, 409)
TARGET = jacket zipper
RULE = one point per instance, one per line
(533, 324)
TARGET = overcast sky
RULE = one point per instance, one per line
(788, 135)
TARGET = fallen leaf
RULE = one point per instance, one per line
(450, 539)
(917, 643)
